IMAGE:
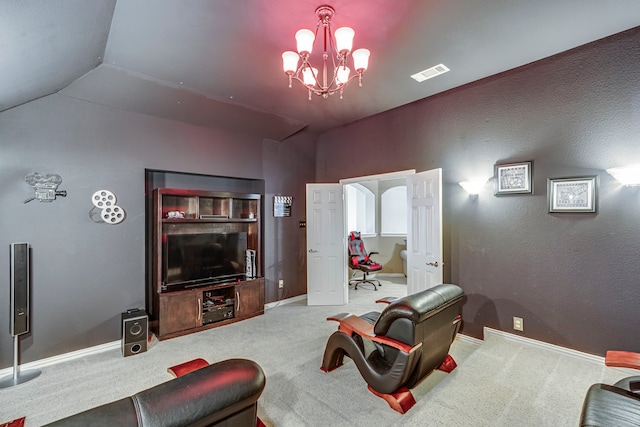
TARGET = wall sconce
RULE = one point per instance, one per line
(473, 187)
(628, 176)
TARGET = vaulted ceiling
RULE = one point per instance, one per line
(217, 62)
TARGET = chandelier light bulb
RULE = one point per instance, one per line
(290, 62)
(361, 59)
(342, 75)
(305, 39)
(308, 76)
(344, 40)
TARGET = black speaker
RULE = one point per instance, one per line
(19, 278)
(135, 330)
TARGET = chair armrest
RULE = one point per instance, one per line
(350, 324)
(186, 367)
(622, 359)
(387, 300)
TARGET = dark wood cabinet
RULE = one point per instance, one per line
(179, 311)
(183, 304)
(250, 298)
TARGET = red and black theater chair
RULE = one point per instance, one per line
(411, 338)
(359, 259)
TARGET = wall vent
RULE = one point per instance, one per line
(430, 73)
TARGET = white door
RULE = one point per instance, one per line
(326, 250)
(424, 230)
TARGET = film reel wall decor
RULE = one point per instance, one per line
(110, 213)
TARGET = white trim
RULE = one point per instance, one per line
(285, 301)
(382, 176)
(469, 340)
(37, 364)
(551, 347)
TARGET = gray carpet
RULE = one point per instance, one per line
(497, 383)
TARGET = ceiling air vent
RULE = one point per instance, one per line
(430, 72)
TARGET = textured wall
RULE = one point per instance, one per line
(288, 166)
(85, 274)
(572, 277)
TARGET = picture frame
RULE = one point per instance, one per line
(573, 195)
(513, 178)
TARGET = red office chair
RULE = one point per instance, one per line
(360, 260)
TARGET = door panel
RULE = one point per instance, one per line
(326, 246)
(424, 242)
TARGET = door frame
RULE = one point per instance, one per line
(379, 177)
(403, 174)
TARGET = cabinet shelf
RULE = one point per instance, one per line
(206, 220)
(179, 212)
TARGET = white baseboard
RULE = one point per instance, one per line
(552, 347)
(63, 357)
(470, 340)
(541, 344)
(285, 301)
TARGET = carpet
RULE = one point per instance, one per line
(498, 383)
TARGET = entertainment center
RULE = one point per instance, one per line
(207, 261)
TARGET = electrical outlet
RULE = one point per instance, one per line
(518, 324)
(280, 284)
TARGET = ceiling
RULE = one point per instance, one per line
(217, 62)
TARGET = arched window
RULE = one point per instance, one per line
(393, 210)
(361, 209)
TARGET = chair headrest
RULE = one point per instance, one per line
(419, 306)
(354, 235)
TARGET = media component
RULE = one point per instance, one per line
(135, 332)
(250, 261)
(192, 260)
(19, 284)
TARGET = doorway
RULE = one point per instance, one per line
(376, 206)
(326, 236)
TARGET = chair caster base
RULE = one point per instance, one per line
(357, 282)
(400, 401)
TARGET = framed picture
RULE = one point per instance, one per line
(572, 194)
(513, 178)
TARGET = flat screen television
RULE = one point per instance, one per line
(192, 260)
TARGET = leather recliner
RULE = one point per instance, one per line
(411, 337)
(223, 394)
(612, 405)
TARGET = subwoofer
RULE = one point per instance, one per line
(19, 294)
(135, 332)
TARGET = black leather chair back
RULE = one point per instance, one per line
(429, 317)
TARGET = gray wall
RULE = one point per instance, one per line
(288, 166)
(572, 277)
(84, 274)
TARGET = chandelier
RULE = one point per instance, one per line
(338, 48)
